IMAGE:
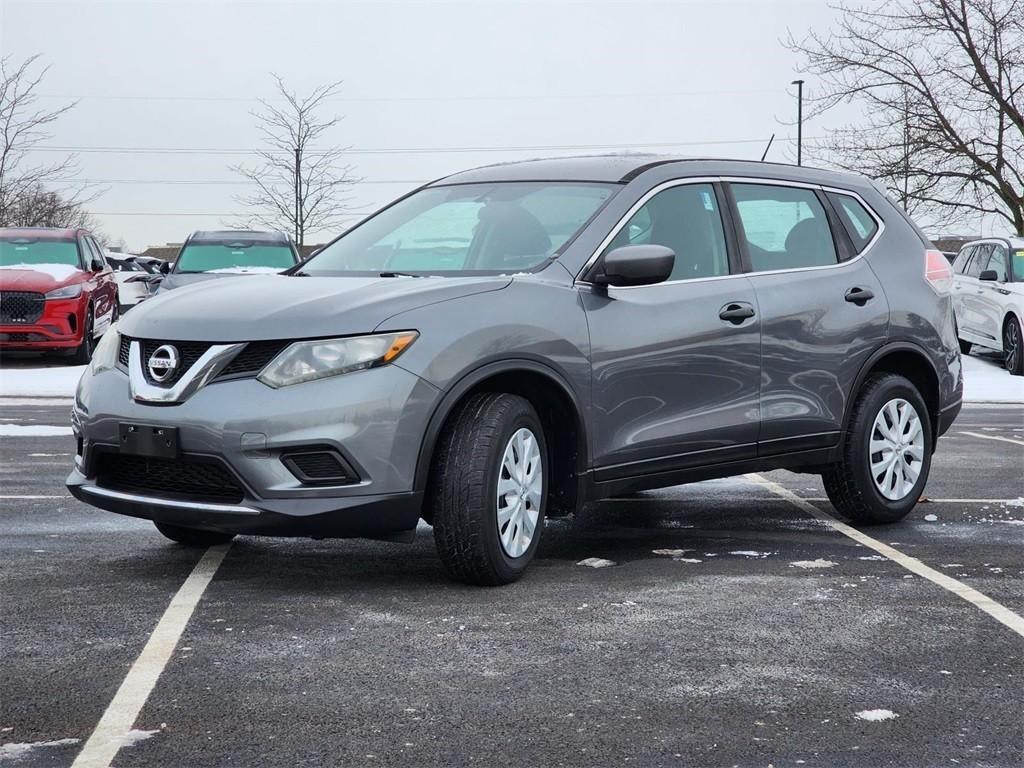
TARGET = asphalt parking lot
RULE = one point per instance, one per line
(759, 635)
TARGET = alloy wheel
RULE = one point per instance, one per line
(520, 485)
(1011, 345)
(896, 450)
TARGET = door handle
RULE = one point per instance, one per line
(859, 296)
(736, 313)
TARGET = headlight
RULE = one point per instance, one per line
(310, 360)
(67, 292)
(104, 357)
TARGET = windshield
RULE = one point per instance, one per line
(1018, 265)
(496, 227)
(26, 251)
(235, 257)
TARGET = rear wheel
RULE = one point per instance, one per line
(1013, 347)
(83, 352)
(886, 455)
(489, 489)
(193, 537)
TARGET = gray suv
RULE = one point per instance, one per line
(511, 342)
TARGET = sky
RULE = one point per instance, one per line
(428, 89)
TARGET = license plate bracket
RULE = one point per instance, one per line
(157, 442)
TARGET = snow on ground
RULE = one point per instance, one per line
(986, 381)
(50, 381)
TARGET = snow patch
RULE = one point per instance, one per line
(876, 715)
(671, 552)
(59, 272)
(819, 563)
(687, 560)
(931, 518)
(134, 736)
(596, 562)
(751, 553)
(986, 381)
(244, 271)
(871, 557)
(40, 382)
(33, 430)
(17, 751)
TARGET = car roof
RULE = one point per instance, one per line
(621, 168)
(1013, 240)
(239, 235)
(41, 233)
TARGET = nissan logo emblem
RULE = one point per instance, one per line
(163, 362)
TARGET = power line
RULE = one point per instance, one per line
(401, 150)
(385, 99)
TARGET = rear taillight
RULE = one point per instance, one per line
(937, 272)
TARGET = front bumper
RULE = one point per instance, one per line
(59, 327)
(375, 419)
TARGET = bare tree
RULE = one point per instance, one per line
(940, 83)
(299, 185)
(27, 188)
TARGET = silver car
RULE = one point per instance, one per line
(505, 344)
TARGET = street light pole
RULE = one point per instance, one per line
(799, 120)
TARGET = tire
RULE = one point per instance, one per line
(83, 352)
(463, 490)
(1013, 347)
(193, 537)
(851, 484)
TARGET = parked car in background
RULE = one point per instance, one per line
(133, 280)
(510, 342)
(209, 255)
(57, 292)
(988, 298)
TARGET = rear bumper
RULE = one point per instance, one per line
(947, 416)
(384, 516)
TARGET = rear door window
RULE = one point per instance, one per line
(784, 227)
(860, 225)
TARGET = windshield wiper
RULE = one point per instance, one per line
(399, 274)
(299, 273)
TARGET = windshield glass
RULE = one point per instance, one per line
(234, 258)
(18, 251)
(496, 227)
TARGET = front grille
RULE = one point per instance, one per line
(22, 337)
(188, 353)
(20, 307)
(253, 358)
(189, 478)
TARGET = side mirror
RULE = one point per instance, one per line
(165, 268)
(634, 265)
(989, 276)
(97, 265)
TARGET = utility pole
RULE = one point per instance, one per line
(799, 120)
(298, 194)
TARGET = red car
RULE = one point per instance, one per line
(57, 292)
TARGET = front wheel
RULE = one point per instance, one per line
(193, 537)
(1013, 348)
(887, 453)
(488, 489)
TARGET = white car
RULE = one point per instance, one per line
(988, 298)
(133, 284)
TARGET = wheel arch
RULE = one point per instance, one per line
(557, 405)
(910, 361)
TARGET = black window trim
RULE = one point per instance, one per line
(844, 226)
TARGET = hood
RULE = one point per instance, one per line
(179, 279)
(257, 307)
(38, 277)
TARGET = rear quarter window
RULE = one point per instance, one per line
(860, 225)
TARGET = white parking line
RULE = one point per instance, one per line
(30, 496)
(1013, 440)
(997, 611)
(119, 717)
